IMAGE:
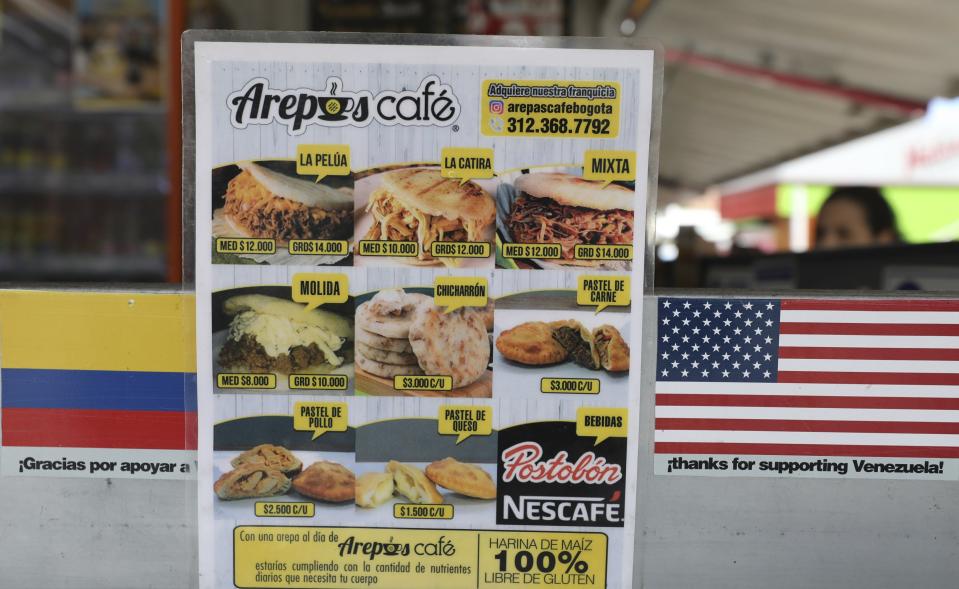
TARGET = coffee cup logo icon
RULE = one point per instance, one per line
(335, 108)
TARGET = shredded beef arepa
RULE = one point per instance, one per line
(543, 220)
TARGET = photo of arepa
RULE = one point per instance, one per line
(265, 333)
(560, 207)
(268, 200)
(400, 332)
(417, 204)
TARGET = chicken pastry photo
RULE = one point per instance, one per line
(276, 457)
(326, 481)
(251, 480)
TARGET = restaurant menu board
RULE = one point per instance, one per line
(419, 274)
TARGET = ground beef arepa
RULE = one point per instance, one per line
(268, 334)
(261, 202)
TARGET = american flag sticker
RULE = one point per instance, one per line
(863, 388)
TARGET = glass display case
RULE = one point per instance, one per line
(83, 149)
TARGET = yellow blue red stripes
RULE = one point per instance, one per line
(65, 330)
(97, 370)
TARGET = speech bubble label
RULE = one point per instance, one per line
(320, 418)
(464, 421)
(466, 163)
(318, 288)
(602, 423)
(606, 165)
(323, 160)
(603, 291)
(454, 292)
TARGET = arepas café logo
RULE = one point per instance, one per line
(549, 476)
(432, 103)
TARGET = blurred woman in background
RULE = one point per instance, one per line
(856, 216)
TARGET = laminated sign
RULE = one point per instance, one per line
(97, 385)
(419, 267)
(827, 388)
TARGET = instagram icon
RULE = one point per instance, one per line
(496, 107)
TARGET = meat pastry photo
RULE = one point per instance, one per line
(535, 343)
(612, 348)
(578, 341)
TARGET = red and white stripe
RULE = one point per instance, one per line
(869, 342)
(856, 378)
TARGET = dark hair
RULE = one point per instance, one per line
(879, 215)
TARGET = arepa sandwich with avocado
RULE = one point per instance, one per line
(269, 334)
(419, 204)
(570, 211)
(261, 202)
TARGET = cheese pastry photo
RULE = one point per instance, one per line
(374, 489)
(459, 477)
(413, 484)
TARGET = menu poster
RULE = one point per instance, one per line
(419, 272)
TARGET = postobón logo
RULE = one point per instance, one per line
(431, 103)
(550, 476)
